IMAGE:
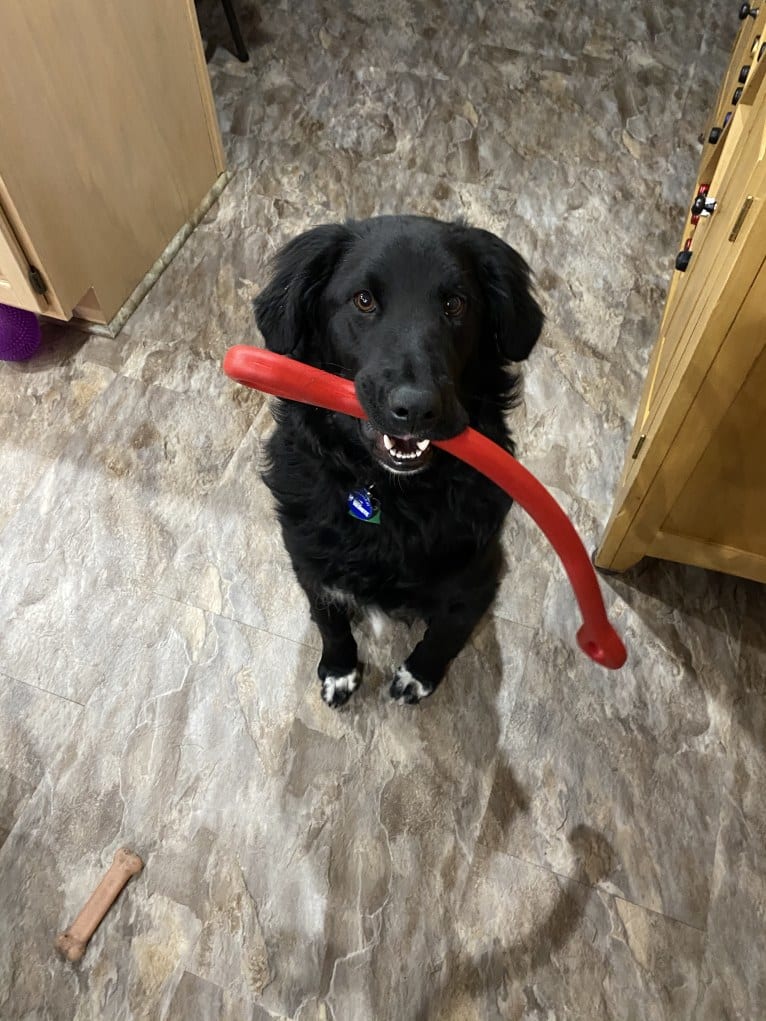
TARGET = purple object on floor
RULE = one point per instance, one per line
(19, 334)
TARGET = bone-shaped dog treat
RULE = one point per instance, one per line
(74, 940)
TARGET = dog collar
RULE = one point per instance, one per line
(363, 506)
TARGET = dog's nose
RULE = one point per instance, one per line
(415, 408)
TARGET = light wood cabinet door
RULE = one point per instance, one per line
(693, 487)
(108, 140)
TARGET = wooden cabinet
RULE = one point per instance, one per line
(693, 488)
(108, 145)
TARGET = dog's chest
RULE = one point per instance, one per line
(411, 538)
(402, 546)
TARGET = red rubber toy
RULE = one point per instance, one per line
(284, 377)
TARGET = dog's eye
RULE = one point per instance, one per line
(454, 306)
(364, 301)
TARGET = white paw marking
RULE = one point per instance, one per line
(406, 684)
(337, 690)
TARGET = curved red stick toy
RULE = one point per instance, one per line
(283, 377)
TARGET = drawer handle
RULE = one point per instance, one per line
(39, 285)
(741, 218)
(746, 11)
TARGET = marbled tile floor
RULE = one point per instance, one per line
(543, 840)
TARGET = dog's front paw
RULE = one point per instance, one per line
(336, 691)
(406, 689)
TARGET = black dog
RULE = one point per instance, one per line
(424, 316)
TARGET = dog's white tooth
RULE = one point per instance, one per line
(423, 445)
(388, 443)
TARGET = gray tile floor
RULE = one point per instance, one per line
(543, 840)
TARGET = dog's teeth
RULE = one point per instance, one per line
(392, 447)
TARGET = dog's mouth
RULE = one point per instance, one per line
(403, 455)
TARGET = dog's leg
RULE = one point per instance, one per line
(338, 668)
(447, 633)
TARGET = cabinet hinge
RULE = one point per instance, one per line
(39, 286)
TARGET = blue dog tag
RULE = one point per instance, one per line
(363, 506)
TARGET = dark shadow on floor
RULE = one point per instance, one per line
(671, 599)
(484, 977)
(215, 30)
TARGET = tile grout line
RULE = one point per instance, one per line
(314, 648)
(234, 620)
(517, 623)
(596, 887)
(39, 687)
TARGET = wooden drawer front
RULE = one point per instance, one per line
(732, 236)
(719, 161)
(746, 53)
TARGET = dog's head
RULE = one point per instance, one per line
(422, 315)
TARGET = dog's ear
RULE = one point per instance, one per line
(513, 315)
(286, 309)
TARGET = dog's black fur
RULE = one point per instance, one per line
(424, 316)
